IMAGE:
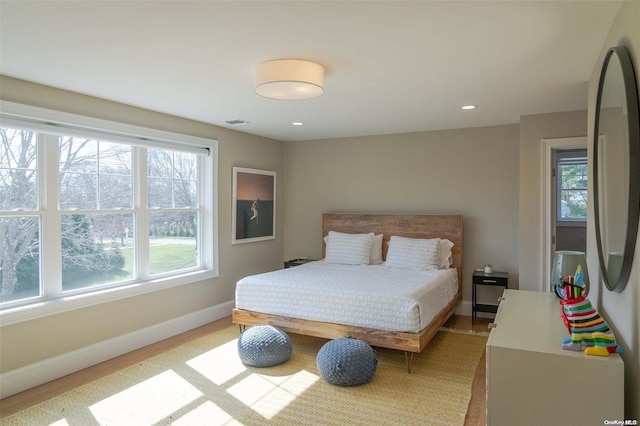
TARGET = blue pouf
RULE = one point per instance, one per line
(347, 362)
(264, 346)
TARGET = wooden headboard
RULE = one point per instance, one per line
(403, 225)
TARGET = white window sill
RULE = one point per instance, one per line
(68, 303)
(571, 223)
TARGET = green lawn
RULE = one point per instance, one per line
(164, 258)
(168, 257)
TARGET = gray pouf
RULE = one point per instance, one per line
(347, 362)
(264, 346)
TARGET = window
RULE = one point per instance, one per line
(571, 168)
(88, 211)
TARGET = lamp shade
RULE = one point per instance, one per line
(566, 263)
(289, 79)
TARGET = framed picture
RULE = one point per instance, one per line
(254, 205)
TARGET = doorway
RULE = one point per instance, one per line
(564, 199)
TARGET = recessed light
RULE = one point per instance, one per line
(470, 107)
(297, 123)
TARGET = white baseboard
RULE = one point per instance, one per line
(41, 372)
(464, 308)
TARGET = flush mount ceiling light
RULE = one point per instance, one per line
(469, 107)
(289, 79)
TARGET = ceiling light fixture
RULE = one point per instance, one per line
(470, 107)
(297, 123)
(289, 79)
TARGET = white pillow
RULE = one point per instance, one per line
(348, 249)
(413, 253)
(445, 254)
(375, 256)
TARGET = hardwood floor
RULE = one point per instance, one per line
(28, 398)
(475, 414)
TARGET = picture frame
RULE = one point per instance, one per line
(253, 205)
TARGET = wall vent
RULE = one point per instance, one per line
(238, 121)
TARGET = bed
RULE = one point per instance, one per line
(411, 336)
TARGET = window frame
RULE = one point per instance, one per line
(48, 123)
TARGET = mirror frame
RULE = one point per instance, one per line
(633, 124)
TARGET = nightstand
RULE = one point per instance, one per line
(297, 262)
(499, 279)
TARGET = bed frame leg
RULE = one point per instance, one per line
(242, 327)
(408, 357)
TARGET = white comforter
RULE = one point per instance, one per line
(366, 296)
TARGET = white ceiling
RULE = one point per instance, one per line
(391, 66)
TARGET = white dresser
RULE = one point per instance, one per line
(532, 381)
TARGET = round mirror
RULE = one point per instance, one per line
(616, 168)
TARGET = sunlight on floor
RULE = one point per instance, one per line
(169, 396)
(220, 364)
(207, 413)
(147, 402)
(267, 395)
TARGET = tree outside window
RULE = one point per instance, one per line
(19, 215)
(572, 176)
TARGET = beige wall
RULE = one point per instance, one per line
(620, 309)
(31, 341)
(469, 171)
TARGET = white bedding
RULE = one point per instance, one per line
(366, 296)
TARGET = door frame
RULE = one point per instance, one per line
(549, 146)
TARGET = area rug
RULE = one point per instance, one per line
(204, 383)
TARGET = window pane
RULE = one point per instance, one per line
(20, 260)
(572, 191)
(185, 193)
(96, 249)
(95, 175)
(172, 179)
(173, 241)
(185, 184)
(574, 204)
(185, 166)
(574, 176)
(78, 191)
(18, 170)
(116, 177)
(116, 192)
(159, 193)
(115, 159)
(78, 155)
(159, 163)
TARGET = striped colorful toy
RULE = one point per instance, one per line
(587, 327)
(571, 286)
